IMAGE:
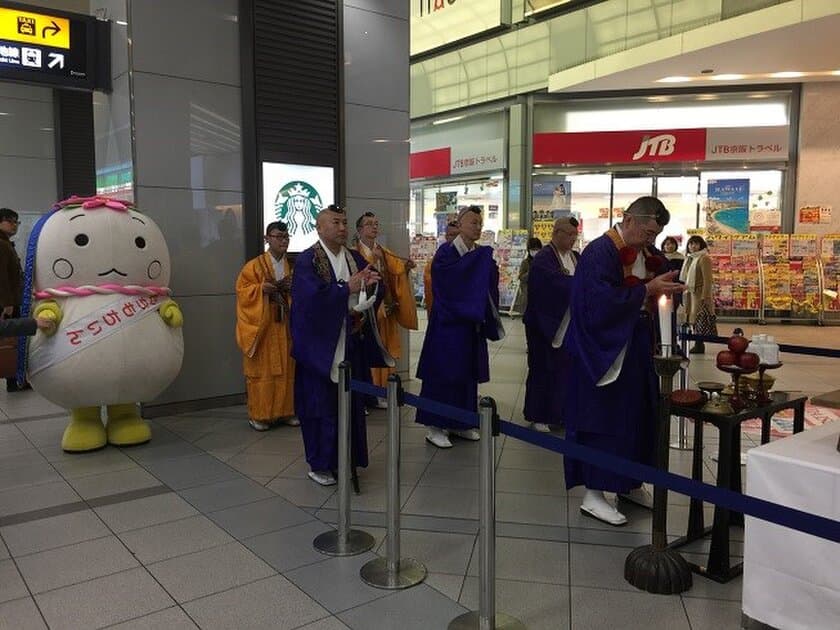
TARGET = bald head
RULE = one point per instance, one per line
(331, 224)
(565, 233)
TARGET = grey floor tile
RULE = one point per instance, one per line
(615, 536)
(262, 464)
(11, 583)
(596, 609)
(330, 623)
(418, 608)
(449, 502)
(21, 614)
(4, 552)
(48, 570)
(169, 619)
(225, 494)
(82, 464)
(246, 521)
(704, 588)
(187, 472)
(536, 459)
(446, 584)
(335, 583)
(229, 439)
(28, 475)
(373, 498)
(599, 567)
(26, 499)
(270, 604)
(530, 482)
(440, 552)
(145, 512)
(114, 482)
(168, 540)
(302, 492)
(466, 478)
(708, 614)
(56, 531)
(529, 561)
(289, 548)
(103, 601)
(209, 571)
(162, 448)
(530, 508)
(278, 442)
(537, 606)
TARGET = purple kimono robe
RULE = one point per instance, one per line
(549, 293)
(620, 417)
(318, 310)
(454, 357)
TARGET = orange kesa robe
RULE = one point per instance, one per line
(265, 343)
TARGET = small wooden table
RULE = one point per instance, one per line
(728, 475)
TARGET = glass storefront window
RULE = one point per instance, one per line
(431, 202)
(762, 188)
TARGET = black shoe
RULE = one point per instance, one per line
(698, 348)
(12, 386)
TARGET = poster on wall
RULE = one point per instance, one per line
(295, 194)
(727, 206)
(550, 198)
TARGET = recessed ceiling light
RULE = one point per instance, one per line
(443, 121)
(728, 77)
(787, 74)
(707, 97)
(835, 72)
(760, 95)
(659, 99)
(673, 80)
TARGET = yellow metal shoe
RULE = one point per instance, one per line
(85, 431)
(126, 427)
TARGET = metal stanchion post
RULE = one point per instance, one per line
(344, 541)
(682, 443)
(656, 568)
(486, 618)
(393, 572)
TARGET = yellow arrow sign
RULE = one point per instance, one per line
(34, 28)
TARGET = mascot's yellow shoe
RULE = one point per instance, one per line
(85, 431)
(126, 427)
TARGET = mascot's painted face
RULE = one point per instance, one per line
(100, 245)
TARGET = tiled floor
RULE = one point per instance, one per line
(211, 525)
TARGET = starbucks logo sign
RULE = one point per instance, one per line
(297, 204)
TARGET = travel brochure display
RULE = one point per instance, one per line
(511, 249)
(421, 250)
(830, 259)
(776, 266)
(736, 272)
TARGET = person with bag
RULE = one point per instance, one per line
(698, 299)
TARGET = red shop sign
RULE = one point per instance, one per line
(434, 163)
(624, 147)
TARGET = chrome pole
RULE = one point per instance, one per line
(392, 572)
(344, 541)
(682, 443)
(487, 618)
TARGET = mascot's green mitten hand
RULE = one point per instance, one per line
(171, 314)
(49, 310)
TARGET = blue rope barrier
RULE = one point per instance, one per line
(783, 347)
(792, 518)
(368, 389)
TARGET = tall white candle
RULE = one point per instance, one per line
(666, 306)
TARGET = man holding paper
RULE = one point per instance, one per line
(546, 320)
(611, 403)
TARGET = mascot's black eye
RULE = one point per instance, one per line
(81, 240)
(140, 242)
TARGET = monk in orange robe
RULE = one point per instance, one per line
(398, 307)
(262, 332)
(452, 230)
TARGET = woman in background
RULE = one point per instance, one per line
(669, 248)
(699, 294)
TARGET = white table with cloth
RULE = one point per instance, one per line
(791, 579)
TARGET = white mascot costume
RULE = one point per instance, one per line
(101, 270)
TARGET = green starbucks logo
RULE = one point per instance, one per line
(297, 204)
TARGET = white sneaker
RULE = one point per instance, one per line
(639, 496)
(438, 437)
(381, 403)
(291, 421)
(321, 478)
(470, 434)
(595, 505)
(541, 427)
(259, 426)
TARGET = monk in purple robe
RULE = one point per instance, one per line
(454, 360)
(546, 321)
(613, 390)
(334, 297)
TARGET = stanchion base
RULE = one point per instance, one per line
(409, 573)
(661, 571)
(685, 446)
(471, 620)
(357, 542)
